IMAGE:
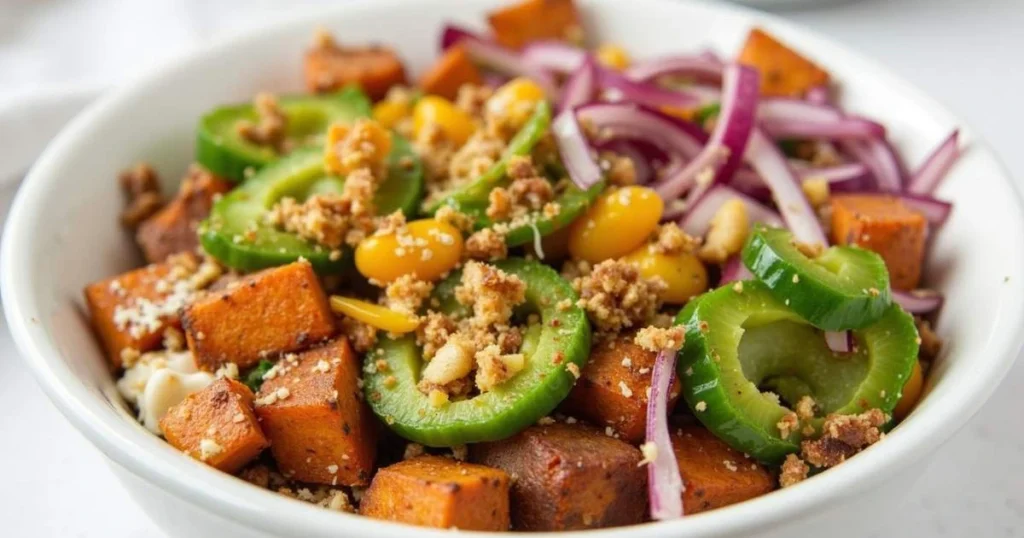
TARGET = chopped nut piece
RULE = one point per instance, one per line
(729, 228)
(657, 339)
(842, 437)
(672, 240)
(141, 187)
(486, 245)
(931, 344)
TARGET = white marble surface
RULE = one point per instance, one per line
(966, 53)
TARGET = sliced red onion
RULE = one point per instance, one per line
(643, 162)
(664, 482)
(734, 270)
(936, 211)
(773, 168)
(846, 177)
(614, 121)
(705, 67)
(818, 95)
(880, 158)
(494, 56)
(795, 118)
(839, 341)
(927, 177)
(724, 150)
(574, 150)
(697, 219)
(580, 86)
(918, 301)
(625, 89)
(555, 56)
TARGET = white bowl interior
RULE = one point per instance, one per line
(64, 233)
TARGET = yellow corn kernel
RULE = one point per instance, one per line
(374, 315)
(515, 101)
(684, 274)
(817, 191)
(391, 111)
(911, 393)
(349, 147)
(618, 223)
(455, 125)
(424, 248)
(613, 56)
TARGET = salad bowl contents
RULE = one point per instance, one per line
(543, 285)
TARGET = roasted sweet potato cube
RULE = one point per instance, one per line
(375, 69)
(131, 311)
(274, 311)
(883, 224)
(784, 72)
(217, 426)
(612, 389)
(449, 73)
(173, 228)
(533, 20)
(714, 474)
(311, 408)
(569, 477)
(433, 491)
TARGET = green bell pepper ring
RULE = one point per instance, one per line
(477, 190)
(741, 340)
(235, 232)
(561, 339)
(222, 151)
(842, 288)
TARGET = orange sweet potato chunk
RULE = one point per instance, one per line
(173, 228)
(311, 408)
(569, 477)
(714, 474)
(533, 20)
(375, 69)
(433, 491)
(784, 72)
(131, 311)
(612, 389)
(883, 224)
(274, 311)
(449, 73)
(217, 426)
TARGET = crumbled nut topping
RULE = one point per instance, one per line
(659, 339)
(671, 240)
(360, 335)
(794, 470)
(615, 296)
(407, 294)
(271, 126)
(930, 342)
(486, 245)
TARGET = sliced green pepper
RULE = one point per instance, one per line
(254, 378)
(741, 340)
(222, 151)
(561, 339)
(235, 232)
(842, 288)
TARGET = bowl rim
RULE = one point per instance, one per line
(223, 495)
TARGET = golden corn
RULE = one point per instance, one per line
(515, 101)
(613, 56)
(391, 111)
(454, 124)
(684, 274)
(424, 248)
(618, 223)
(374, 315)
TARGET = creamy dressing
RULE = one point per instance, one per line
(158, 381)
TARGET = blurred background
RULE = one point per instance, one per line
(55, 55)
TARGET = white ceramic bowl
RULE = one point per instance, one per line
(63, 233)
